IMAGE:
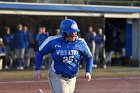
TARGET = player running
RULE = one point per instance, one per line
(66, 50)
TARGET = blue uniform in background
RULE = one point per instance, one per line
(19, 39)
(39, 39)
(65, 55)
(27, 39)
(100, 50)
(99, 39)
(7, 39)
(89, 37)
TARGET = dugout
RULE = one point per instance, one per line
(51, 15)
(50, 22)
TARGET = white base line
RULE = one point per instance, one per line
(96, 79)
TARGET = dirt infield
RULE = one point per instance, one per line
(97, 85)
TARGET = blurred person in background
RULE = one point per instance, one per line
(39, 38)
(100, 55)
(19, 39)
(27, 46)
(113, 47)
(2, 53)
(57, 31)
(45, 31)
(89, 38)
(7, 39)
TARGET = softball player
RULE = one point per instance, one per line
(66, 50)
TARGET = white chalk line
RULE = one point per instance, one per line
(95, 79)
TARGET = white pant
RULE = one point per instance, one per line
(60, 84)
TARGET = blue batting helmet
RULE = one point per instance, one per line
(68, 26)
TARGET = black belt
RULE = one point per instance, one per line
(68, 77)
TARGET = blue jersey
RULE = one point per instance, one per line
(19, 40)
(99, 39)
(65, 55)
(8, 40)
(39, 39)
(27, 39)
(89, 37)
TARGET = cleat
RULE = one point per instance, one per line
(40, 91)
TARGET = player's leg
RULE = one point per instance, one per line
(17, 59)
(21, 58)
(97, 55)
(57, 84)
(72, 85)
(26, 58)
(103, 57)
(7, 57)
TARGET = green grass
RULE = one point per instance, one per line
(98, 72)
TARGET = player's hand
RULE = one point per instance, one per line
(37, 75)
(88, 76)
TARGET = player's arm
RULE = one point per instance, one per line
(45, 48)
(88, 59)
